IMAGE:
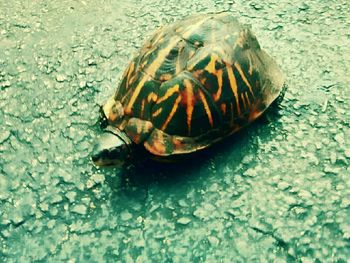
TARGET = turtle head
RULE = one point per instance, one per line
(112, 149)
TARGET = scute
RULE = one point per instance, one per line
(209, 29)
(163, 61)
(136, 96)
(183, 100)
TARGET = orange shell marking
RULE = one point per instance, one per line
(189, 103)
(171, 114)
(152, 97)
(206, 107)
(238, 67)
(168, 93)
(217, 95)
(233, 85)
(223, 108)
(211, 65)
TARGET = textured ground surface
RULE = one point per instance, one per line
(279, 191)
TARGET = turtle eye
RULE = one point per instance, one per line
(103, 119)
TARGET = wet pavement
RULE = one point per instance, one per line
(277, 191)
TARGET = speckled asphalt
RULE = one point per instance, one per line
(278, 191)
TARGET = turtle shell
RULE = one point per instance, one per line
(192, 84)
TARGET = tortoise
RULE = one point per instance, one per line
(193, 83)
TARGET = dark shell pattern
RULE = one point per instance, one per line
(192, 84)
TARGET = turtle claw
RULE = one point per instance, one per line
(103, 121)
(277, 102)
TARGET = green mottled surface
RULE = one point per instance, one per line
(278, 191)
